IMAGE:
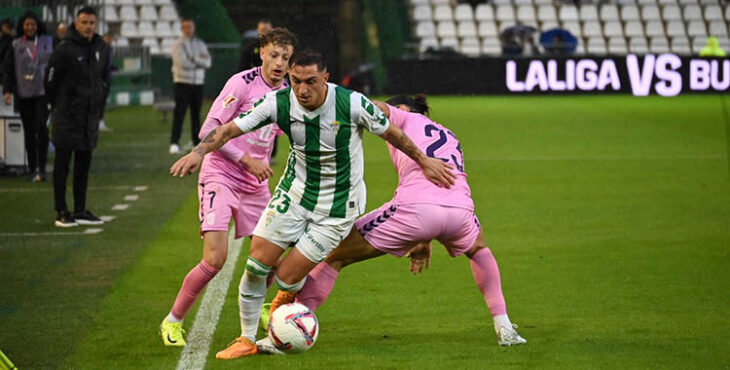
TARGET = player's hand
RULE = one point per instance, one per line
(439, 172)
(187, 164)
(7, 98)
(257, 167)
(420, 256)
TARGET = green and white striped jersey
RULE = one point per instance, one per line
(324, 172)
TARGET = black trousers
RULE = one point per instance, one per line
(186, 95)
(34, 114)
(82, 163)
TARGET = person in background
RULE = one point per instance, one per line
(109, 39)
(61, 31)
(25, 67)
(251, 58)
(77, 84)
(6, 39)
(190, 59)
(712, 48)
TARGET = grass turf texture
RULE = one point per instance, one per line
(609, 217)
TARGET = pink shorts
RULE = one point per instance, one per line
(218, 203)
(395, 228)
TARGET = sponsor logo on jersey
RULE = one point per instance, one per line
(228, 100)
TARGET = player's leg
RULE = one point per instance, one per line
(321, 279)
(463, 235)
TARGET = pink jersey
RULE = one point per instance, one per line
(436, 141)
(239, 95)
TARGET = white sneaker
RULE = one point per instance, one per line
(267, 347)
(509, 336)
(174, 149)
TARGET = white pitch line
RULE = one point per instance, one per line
(131, 198)
(120, 207)
(141, 188)
(57, 233)
(194, 355)
(107, 218)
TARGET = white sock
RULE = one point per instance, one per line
(172, 318)
(501, 321)
(251, 295)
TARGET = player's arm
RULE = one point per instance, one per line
(217, 137)
(260, 169)
(434, 169)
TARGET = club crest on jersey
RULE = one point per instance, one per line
(228, 100)
(269, 217)
(336, 126)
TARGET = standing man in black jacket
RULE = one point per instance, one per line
(77, 84)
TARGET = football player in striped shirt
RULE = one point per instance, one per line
(418, 213)
(233, 180)
(321, 192)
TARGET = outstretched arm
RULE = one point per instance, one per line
(212, 141)
(434, 169)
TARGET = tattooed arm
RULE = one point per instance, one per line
(214, 140)
(434, 169)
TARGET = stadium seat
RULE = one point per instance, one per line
(574, 28)
(646, 2)
(568, 13)
(428, 43)
(422, 13)
(667, 2)
(696, 28)
(713, 13)
(420, 2)
(143, 2)
(659, 45)
(692, 13)
(718, 29)
(168, 12)
(596, 45)
(592, 29)
(633, 29)
(638, 45)
(543, 2)
(609, 12)
(580, 49)
(523, 2)
(617, 45)
(709, 2)
(166, 45)
(626, 2)
(502, 2)
(148, 13)
(471, 47)
(546, 13)
(727, 13)
(654, 28)
(110, 14)
(125, 2)
(681, 46)
(505, 13)
(545, 26)
(128, 13)
(630, 13)
(176, 31)
(162, 29)
(487, 29)
(613, 29)
(128, 29)
(650, 13)
(504, 25)
(450, 42)
(466, 29)
(491, 46)
(484, 12)
(526, 14)
(440, 2)
(588, 12)
(145, 29)
(724, 43)
(443, 13)
(425, 29)
(152, 43)
(671, 12)
(446, 29)
(463, 12)
(120, 42)
(675, 28)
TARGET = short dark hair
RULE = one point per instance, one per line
(416, 103)
(86, 10)
(307, 57)
(279, 36)
(9, 21)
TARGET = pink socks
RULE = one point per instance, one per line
(320, 282)
(486, 274)
(194, 283)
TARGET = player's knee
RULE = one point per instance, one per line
(476, 249)
(215, 261)
(291, 284)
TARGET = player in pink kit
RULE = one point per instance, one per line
(418, 213)
(233, 181)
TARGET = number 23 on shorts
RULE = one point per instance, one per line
(282, 199)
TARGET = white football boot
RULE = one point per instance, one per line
(509, 337)
(266, 346)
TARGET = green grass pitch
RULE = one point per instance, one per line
(609, 218)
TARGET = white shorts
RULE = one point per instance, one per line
(284, 222)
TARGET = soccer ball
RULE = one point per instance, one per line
(293, 328)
